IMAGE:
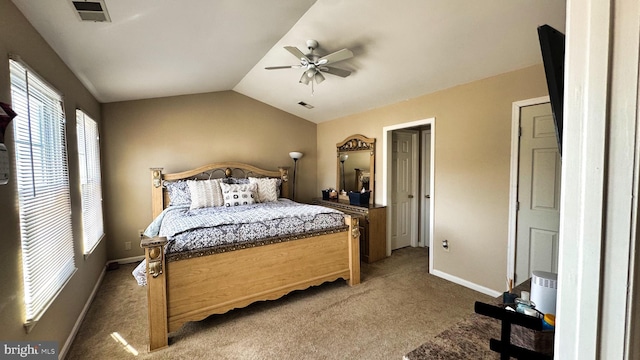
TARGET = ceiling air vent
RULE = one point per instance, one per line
(95, 11)
(302, 103)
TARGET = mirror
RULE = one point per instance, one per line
(355, 165)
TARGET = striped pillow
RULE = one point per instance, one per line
(205, 193)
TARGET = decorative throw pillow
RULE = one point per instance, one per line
(239, 194)
(205, 193)
(267, 188)
(234, 180)
(178, 192)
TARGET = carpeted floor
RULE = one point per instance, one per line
(397, 307)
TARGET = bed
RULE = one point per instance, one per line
(190, 283)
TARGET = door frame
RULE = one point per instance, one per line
(424, 135)
(386, 176)
(513, 180)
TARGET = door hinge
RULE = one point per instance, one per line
(517, 205)
(519, 131)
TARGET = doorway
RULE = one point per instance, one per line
(421, 213)
(535, 191)
(404, 182)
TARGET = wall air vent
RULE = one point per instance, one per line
(305, 105)
(95, 11)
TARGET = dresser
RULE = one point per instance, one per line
(373, 227)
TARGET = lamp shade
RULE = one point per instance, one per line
(344, 157)
(295, 155)
(304, 79)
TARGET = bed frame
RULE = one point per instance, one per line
(190, 288)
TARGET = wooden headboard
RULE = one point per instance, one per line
(160, 197)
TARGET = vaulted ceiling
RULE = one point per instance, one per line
(402, 49)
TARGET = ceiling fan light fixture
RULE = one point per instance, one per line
(318, 77)
(304, 79)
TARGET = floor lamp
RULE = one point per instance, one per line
(343, 158)
(295, 155)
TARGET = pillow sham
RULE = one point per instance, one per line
(267, 188)
(239, 194)
(178, 192)
(205, 193)
(234, 180)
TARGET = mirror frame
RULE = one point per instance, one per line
(357, 143)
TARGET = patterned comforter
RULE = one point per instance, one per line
(206, 228)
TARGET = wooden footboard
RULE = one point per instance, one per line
(192, 289)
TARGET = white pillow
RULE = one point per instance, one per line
(205, 193)
(267, 188)
(239, 194)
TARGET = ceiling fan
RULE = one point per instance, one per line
(314, 65)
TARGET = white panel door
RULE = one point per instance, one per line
(402, 189)
(538, 217)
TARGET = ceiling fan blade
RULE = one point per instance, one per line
(335, 57)
(335, 71)
(297, 53)
(283, 67)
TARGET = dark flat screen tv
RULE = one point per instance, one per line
(552, 47)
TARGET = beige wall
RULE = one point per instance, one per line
(472, 164)
(17, 36)
(184, 132)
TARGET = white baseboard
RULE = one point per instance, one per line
(76, 327)
(465, 283)
(128, 260)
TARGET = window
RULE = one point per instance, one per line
(43, 190)
(90, 183)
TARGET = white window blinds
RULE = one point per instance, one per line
(90, 180)
(43, 190)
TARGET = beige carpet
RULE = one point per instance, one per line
(397, 307)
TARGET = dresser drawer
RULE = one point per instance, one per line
(373, 227)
